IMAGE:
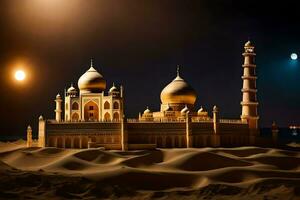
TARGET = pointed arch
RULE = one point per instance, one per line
(116, 105)
(75, 106)
(107, 117)
(75, 117)
(106, 105)
(91, 111)
(116, 116)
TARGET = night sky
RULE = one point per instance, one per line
(138, 44)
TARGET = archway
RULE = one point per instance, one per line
(76, 143)
(106, 105)
(68, 143)
(75, 117)
(75, 106)
(116, 116)
(116, 105)
(91, 111)
(107, 117)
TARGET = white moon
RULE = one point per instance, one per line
(294, 56)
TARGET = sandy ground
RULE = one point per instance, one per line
(207, 173)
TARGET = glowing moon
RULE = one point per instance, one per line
(294, 56)
(20, 75)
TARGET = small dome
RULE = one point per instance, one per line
(168, 108)
(71, 89)
(41, 117)
(184, 110)
(200, 110)
(91, 81)
(248, 44)
(178, 92)
(147, 111)
(113, 89)
(58, 96)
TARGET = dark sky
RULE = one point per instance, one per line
(138, 44)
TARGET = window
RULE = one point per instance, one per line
(116, 105)
(75, 106)
(106, 105)
(91, 114)
(91, 108)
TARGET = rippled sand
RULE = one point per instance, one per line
(207, 173)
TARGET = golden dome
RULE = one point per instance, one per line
(91, 81)
(71, 89)
(178, 92)
(113, 89)
(147, 111)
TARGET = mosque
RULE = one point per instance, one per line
(94, 117)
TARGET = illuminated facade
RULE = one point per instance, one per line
(94, 118)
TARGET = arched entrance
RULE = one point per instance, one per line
(75, 117)
(116, 116)
(91, 111)
(107, 117)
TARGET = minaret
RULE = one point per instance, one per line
(29, 136)
(58, 110)
(249, 102)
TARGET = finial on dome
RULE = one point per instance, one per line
(178, 67)
(92, 62)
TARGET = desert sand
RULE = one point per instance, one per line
(207, 173)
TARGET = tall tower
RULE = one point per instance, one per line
(58, 109)
(249, 102)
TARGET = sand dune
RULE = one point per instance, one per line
(211, 173)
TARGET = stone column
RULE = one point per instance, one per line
(29, 136)
(216, 119)
(188, 130)
(42, 132)
(58, 109)
(124, 135)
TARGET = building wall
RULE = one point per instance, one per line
(163, 135)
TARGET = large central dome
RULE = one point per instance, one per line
(178, 92)
(91, 81)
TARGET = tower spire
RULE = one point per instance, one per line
(92, 62)
(177, 70)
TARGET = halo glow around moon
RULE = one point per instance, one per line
(294, 56)
(20, 75)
